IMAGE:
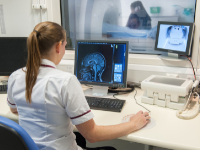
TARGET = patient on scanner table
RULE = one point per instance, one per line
(115, 31)
(138, 25)
(133, 22)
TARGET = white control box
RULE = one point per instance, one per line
(166, 91)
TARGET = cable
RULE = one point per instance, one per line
(192, 65)
(119, 94)
(114, 96)
(140, 104)
(134, 98)
(134, 83)
(138, 86)
(88, 85)
(197, 57)
(122, 93)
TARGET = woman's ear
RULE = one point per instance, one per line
(58, 47)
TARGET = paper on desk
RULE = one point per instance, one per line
(2, 23)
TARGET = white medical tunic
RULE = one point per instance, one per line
(57, 103)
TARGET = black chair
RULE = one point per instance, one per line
(14, 137)
(82, 143)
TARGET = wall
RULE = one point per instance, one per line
(20, 18)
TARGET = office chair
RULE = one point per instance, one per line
(14, 137)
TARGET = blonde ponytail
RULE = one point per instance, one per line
(33, 64)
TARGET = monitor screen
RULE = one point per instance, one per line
(174, 37)
(13, 54)
(101, 62)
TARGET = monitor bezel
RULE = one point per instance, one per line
(104, 84)
(189, 42)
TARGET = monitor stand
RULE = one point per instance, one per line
(98, 91)
(172, 57)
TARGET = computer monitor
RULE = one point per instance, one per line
(13, 54)
(102, 64)
(175, 38)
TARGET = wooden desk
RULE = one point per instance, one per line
(169, 132)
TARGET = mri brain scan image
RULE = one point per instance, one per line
(92, 67)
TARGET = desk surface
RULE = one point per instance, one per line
(169, 132)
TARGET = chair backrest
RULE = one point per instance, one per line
(13, 136)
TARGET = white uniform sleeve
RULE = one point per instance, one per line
(75, 103)
(10, 100)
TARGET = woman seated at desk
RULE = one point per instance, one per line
(49, 101)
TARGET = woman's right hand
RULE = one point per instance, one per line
(140, 119)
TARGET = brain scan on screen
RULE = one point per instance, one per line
(92, 67)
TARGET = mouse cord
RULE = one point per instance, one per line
(122, 93)
(114, 96)
(140, 104)
(197, 57)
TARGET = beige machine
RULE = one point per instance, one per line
(166, 91)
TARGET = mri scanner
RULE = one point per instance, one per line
(102, 20)
(93, 13)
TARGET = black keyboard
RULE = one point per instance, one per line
(3, 89)
(106, 104)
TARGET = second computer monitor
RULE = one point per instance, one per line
(174, 37)
(13, 54)
(101, 63)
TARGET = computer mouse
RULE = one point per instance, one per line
(151, 124)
